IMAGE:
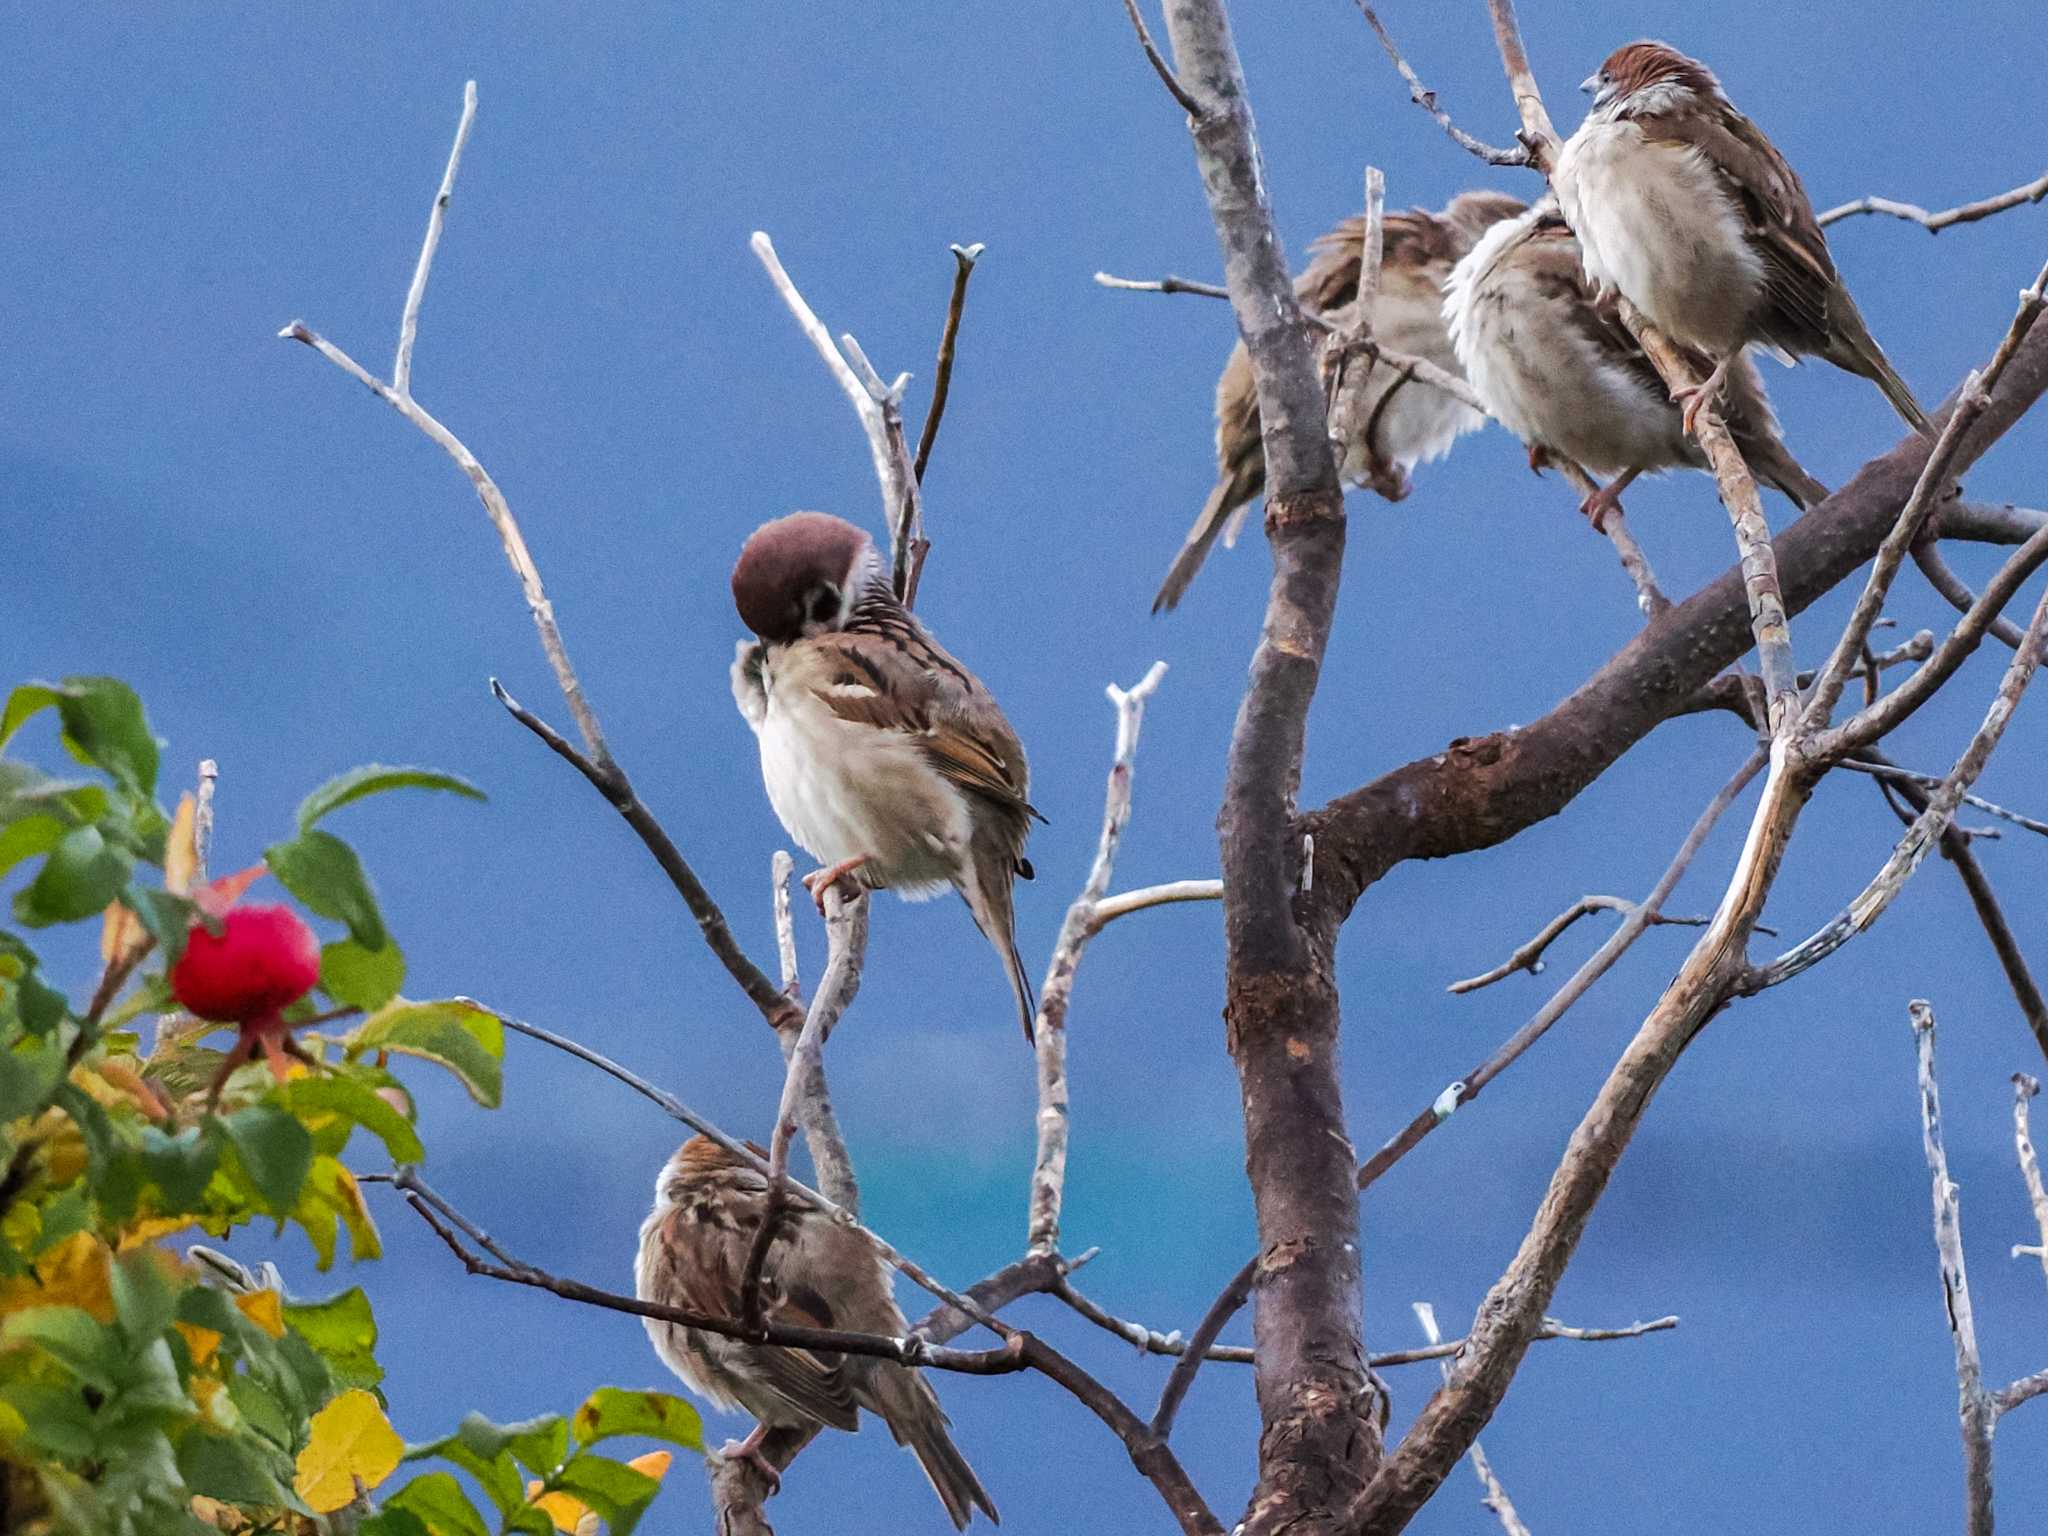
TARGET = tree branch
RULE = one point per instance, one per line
(1425, 98)
(1935, 223)
(2023, 1089)
(1975, 1408)
(1281, 1011)
(1049, 1167)
(1529, 956)
(1496, 1498)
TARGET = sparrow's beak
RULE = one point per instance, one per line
(1590, 85)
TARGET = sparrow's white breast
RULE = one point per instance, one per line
(1655, 222)
(1544, 377)
(845, 789)
(1418, 423)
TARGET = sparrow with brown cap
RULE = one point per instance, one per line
(883, 756)
(1685, 208)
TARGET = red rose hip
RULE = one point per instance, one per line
(263, 960)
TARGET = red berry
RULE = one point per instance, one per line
(264, 960)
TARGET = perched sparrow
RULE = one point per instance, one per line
(883, 756)
(1555, 365)
(1400, 422)
(693, 1253)
(1682, 205)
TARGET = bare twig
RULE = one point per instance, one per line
(1228, 1303)
(1897, 774)
(1160, 67)
(1537, 135)
(878, 406)
(2023, 1089)
(1942, 577)
(1935, 223)
(1425, 98)
(780, 869)
(610, 780)
(1167, 284)
(1632, 927)
(1529, 956)
(1955, 848)
(1927, 827)
(1496, 1498)
(1124, 903)
(1049, 1167)
(409, 322)
(964, 258)
(1976, 1410)
(202, 819)
(1650, 598)
(846, 929)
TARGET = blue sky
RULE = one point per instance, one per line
(297, 582)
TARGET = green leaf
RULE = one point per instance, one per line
(275, 1151)
(103, 725)
(72, 1336)
(374, 779)
(392, 1522)
(620, 1494)
(81, 875)
(343, 1331)
(354, 1100)
(228, 1468)
(324, 873)
(37, 810)
(143, 1299)
(460, 1035)
(29, 1075)
(167, 918)
(361, 978)
(179, 1165)
(540, 1444)
(58, 1417)
(41, 1006)
(441, 1505)
(28, 837)
(613, 1411)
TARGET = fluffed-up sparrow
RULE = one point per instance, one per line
(1550, 356)
(693, 1255)
(883, 756)
(1398, 422)
(1684, 207)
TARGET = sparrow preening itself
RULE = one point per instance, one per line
(1400, 422)
(1550, 356)
(883, 756)
(693, 1254)
(1684, 207)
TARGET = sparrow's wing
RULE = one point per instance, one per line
(1798, 271)
(894, 677)
(707, 1267)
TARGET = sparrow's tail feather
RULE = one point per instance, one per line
(920, 1424)
(1772, 462)
(1232, 492)
(1854, 348)
(987, 894)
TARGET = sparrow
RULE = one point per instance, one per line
(883, 756)
(693, 1252)
(1399, 422)
(1684, 207)
(1549, 355)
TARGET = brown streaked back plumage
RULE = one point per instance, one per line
(1419, 248)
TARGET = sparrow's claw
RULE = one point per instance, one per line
(1697, 397)
(819, 881)
(1539, 458)
(1606, 499)
(749, 1451)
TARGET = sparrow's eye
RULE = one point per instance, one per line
(822, 606)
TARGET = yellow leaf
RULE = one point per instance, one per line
(12, 1424)
(202, 1342)
(77, 1272)
(654, 1464)
(130, 1082)
(350, 1440)
(181, 849)
(122, 936)
(264, 1309)
(147, 1229)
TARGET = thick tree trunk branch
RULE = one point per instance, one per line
(1318, 1445)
